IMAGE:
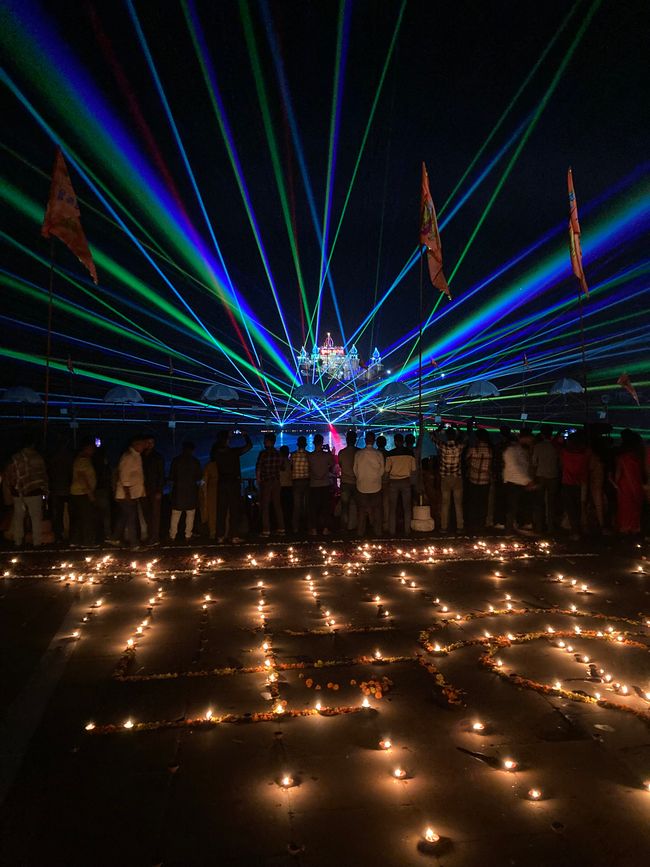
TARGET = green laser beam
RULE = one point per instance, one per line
(260, 87)
(330, 158)
(366, 133)
(528, 132)
(510, 106)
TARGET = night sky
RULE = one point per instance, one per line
(454, 71)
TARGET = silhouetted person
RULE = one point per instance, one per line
(129, 490)
(300, 485)
(103, 494)
(348, 479)
(82, 496)
(546, 471)
(153, 467)
(229, 484)
(185, 475)
(400, 467)
(59, 473)
(28, 483)
(478, 464)
(267, 474)
(286, 486)
(321, 462)
(369, 472)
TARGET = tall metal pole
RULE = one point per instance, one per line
(584, 357)
(48, 346)
(420, 414)
(172, 415)
(73, 417)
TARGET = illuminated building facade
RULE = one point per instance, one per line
(334, 362)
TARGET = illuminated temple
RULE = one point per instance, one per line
(335, 363)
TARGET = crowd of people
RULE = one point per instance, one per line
(472, 481)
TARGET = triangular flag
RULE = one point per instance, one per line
(430, 236)
(625, 382)
(575, 249)
(62, 218)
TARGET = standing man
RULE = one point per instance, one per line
(497, 510)
(185, 475)
(267, 474)
(82, 497)
(381, 443)
(517, 478)
(59, 475)
(300, 485)
(103, 494)
(129, 490)
(478, 463)
(348, 479)
(229, 484)
(208, 495)
(575, 475)
(400, 466)
(546, 470)
(369, 472)
(451, 482)
(321, 463)
(28, 484)
(286, 486)
(153, 466)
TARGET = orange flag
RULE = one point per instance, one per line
(62, 218)
(430, 236)
(625, 382)
(574, 236)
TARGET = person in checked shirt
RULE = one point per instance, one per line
(300, 485)
(451, 481)
(478, 463)
(267, 471)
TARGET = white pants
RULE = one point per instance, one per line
(34, 505)
(189, 522)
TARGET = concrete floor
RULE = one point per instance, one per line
(208, 793)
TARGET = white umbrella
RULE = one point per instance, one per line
(566, 386)
(482, 388)
(20, 394)
(217, 393)
(123, 394)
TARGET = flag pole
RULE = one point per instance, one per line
(48, 345)
(73, 417)
(420, 419)
(420, 414)
(584, 355)
(172, 416)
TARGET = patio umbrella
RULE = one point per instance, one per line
(123, 394)
(308, 390)
(566, 386)
(20, 394)
(217, 393)
(395, 391)
(482, 388)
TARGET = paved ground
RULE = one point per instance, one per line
(178, 788)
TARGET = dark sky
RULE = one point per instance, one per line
(455, 69)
